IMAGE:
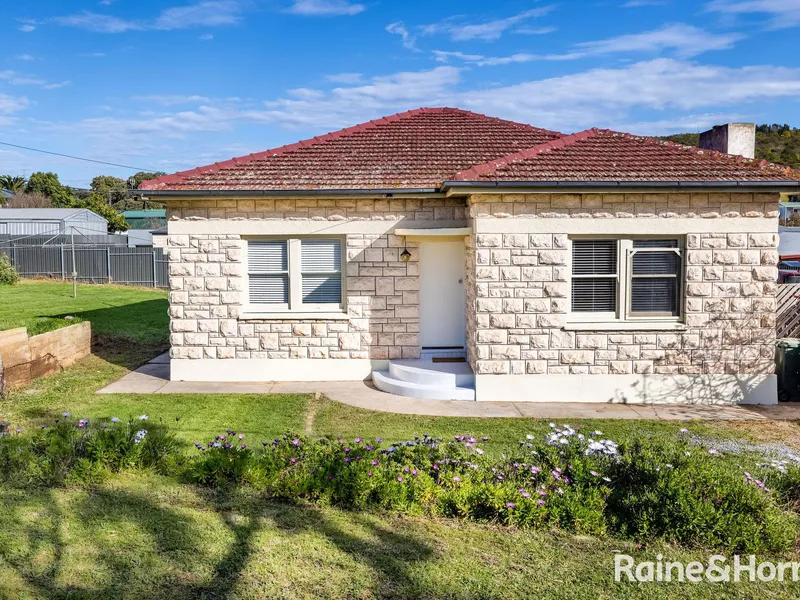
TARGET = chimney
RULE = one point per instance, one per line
(732, 138)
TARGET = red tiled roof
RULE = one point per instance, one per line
(415, 149)
(603, 155)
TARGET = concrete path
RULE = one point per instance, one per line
(153, 378)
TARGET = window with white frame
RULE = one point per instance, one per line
(295, 274)
(626, 279)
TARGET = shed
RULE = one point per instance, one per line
(21, 222)
(145, 219)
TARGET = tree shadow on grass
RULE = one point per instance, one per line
(111, 522)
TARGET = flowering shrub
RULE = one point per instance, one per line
(84, 452)
(581, 482)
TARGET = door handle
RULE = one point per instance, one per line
(460, 281)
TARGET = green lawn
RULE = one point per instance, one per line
(138, 314)
(141, 535)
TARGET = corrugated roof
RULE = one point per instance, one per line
(154, 213)
(42, 214)
(604, 155)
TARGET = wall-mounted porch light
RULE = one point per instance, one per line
(405, 255)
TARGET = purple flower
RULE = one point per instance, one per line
(115, 419)
(348, 459)
(540, 502)
(65, 415)
(264, 444)
(714, 452)
(485, 438)
(414, 472)
(244, 446)
(369, 474)
(594, 473)
(346, 450)
(526, 495)
(747, 476)
(435, 467)
(400, 479)
(293, 460)
(374, 462)
(370, 447)
(510, 505)
(457, 479)
(330, 477)
(406, 469)
(357, 440)
(241, 436)
(379, 439)
(295, 442)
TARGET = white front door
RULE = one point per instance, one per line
(441, 294)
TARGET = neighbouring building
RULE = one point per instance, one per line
(599, 266)
(44, 222)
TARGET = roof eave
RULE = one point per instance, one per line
(387, 192)
(606, 186)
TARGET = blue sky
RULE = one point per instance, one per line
(173, 84)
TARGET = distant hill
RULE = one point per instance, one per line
(775, 143)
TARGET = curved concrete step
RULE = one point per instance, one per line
(429, 373)
(384, 382)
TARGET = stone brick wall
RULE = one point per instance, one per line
(521, 291)
(207, 295)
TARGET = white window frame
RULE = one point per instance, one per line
(295, 308)
(622, 315)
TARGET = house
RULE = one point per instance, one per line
(143, 224)
(598, 266)
(5, 196)
(48, 222)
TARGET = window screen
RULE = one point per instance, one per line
(321, 271)
(594, 275)
(655, 277)
(268, 270)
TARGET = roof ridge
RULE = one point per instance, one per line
(477, 171)
(367, 125)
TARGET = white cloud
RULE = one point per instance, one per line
(11, 104)
(97, 22)
(325, 8)
(28, 25)
(684, 41)
(172, 99)
(56, 86)
(489, 30)
(347, 78)
(208, 13)
(781, 13)
(535, 30)
(14, 78)
(206, 37)
(597, 97)
(643, 3)
(92, 54)
(349, 105)
(398, 28)
(25, 57)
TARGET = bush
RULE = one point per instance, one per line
(8, 274)
(676, 491)
(84, 453)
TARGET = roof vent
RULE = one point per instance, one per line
(732, 138)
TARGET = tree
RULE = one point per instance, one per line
(13, 183)
(47, 184)
(112, 189)
(25, 200)
(136, 180)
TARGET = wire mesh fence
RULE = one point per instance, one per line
(142, 265)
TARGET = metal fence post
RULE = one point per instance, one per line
(63, 273)
(108, 262)
(155, 270)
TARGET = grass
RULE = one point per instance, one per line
(140, 535)
(137, 314)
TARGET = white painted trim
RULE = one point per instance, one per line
(625, 326)
(633, 389)
(277, 226)
(289, 315)
(633, 226)
(276, 369)
(441, 232)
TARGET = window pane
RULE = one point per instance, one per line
(594, 295)
(269, 289)
(654, 295)
(594, 257)
(322, 289)
(321, 256)
(656, 263)
(265, 256)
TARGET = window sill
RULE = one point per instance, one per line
(287, 315)
(626, 326)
